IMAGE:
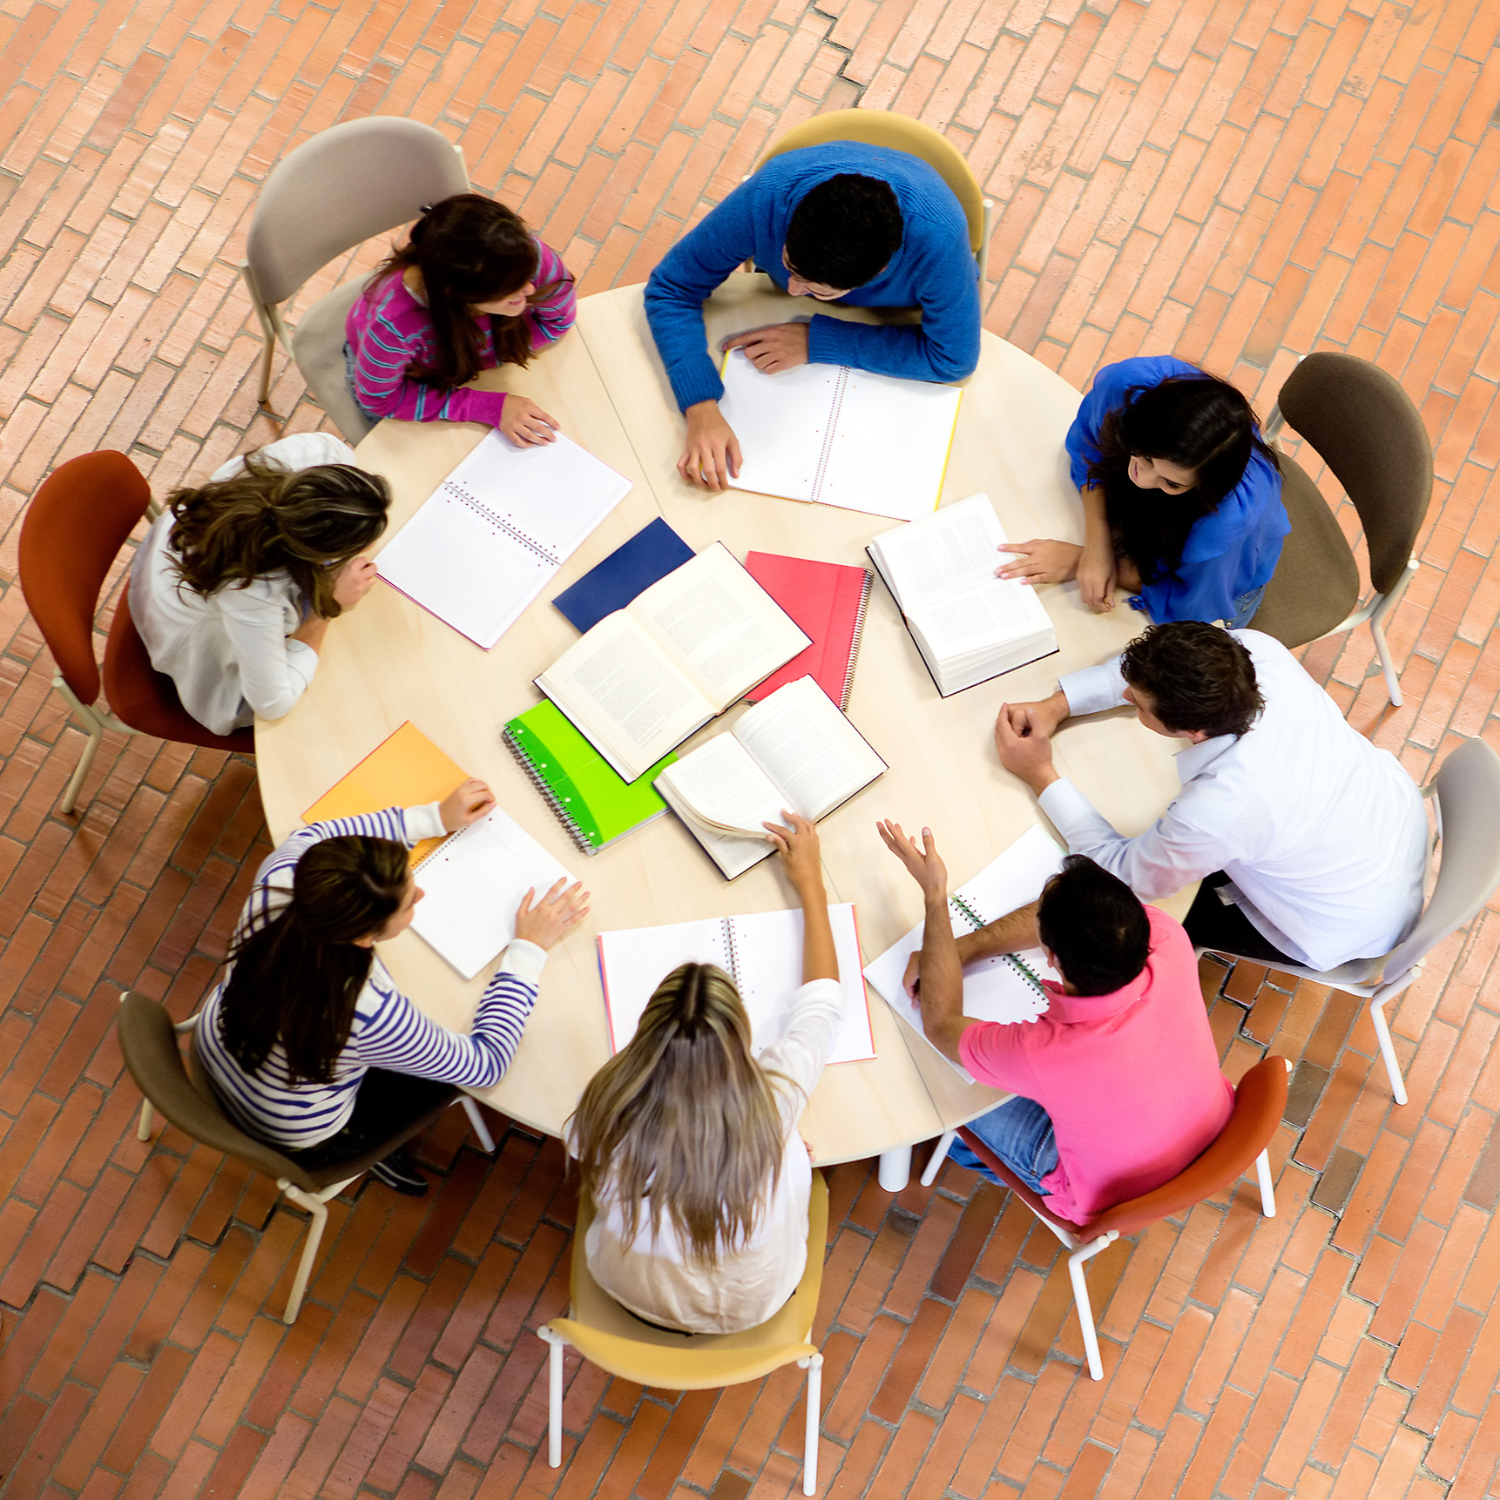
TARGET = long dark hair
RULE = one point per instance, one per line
(468, 249)
(265, 519)
(1196, 421)
(297, 977)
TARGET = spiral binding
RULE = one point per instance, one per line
(859, 630)
(474, 503)
(427, 859)
(731, 948)
(537, 780)
(1020, 965)
(840, 386)
(975, 920)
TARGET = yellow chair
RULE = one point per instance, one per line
(615, 1340)
(878, 127)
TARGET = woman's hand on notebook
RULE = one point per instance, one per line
(354, 580)
(544, 922)
(525, 423)
(782, 346)
(466, 805)
(1040, 561)
(712, 457)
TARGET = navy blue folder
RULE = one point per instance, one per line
(651, 553)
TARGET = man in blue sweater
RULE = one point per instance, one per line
(839, 222)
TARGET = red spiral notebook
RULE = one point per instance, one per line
(828, 601)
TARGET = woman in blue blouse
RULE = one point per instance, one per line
(1181, 497)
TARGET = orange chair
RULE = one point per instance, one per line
(1259, 1103)
(74, 528)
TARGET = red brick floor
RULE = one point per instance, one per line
(1238, 182)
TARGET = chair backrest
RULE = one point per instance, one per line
(1467, 788)
(1259, 1103)
(1369, 433)
(74, 528)
(349, 182)
(879, 127)
(612, 1338)
(151, 1052)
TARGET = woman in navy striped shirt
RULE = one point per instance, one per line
(472, 288)
(307, 1041)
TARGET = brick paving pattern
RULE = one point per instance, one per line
(1238, 182)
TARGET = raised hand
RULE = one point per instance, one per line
(925, 864)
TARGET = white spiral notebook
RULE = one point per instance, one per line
(495, 531)
(761, 952)
(841, 436)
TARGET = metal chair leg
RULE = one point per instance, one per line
(1267, 1187)
(476, 1120)
(555, 1344)
(1387, 1047)
(813, 1364)
(930, 1171)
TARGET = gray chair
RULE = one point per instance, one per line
(354, 180)
(148, 1040)
(1365, 428)
(1466, 791)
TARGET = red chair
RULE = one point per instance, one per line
(1259, 1103)
(74, 528)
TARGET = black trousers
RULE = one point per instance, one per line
(1211, 923)
(385, 1104)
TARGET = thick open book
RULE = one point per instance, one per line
(473, 884)
(1007, 988)
(644, 678)
(792, 750)
(968, 624)
(762, 953)
(497, 529)
(841, 436)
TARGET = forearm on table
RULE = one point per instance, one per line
(1009, 934)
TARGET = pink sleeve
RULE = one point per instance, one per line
(553, 316)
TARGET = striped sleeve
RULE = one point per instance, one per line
(553, 315)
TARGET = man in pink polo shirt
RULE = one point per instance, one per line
(1118, 1084)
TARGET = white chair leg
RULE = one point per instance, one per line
(1387, 1047)
(317, 1205)
(486, 1140)
(1387, 666)
(1077, 1266)
(143, 1130)
(930, 1171)
(554, 1395)
(813, 1364)
(1267, 1187)
(85, 765)
(895, 1168)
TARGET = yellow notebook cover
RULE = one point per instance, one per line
(405, 770)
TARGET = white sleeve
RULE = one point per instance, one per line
(817, 1012)
(274, 669)
(1176, 849)
(302, 450)
(1093, 688)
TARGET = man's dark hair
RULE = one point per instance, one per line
(844, 232)
(1197, 676)
(1094, 925)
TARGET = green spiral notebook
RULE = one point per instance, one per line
(592, 801)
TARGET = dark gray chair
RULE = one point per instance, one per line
(1365, 428)
(148, 1040)
(1466, 791)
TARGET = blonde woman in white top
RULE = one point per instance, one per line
(235, 584)
(688, 1146)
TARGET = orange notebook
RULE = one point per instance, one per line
(828, 601)
(404, 771)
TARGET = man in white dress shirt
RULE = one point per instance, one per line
(1311, 843)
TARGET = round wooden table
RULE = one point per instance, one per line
(390, 661)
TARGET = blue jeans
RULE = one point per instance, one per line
(1019, 1132)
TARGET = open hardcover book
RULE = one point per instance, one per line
(762, 953)
(497, 529)
(840, 436)
(644, 678)
(1007, 988)
(792, 750)
(968, 624)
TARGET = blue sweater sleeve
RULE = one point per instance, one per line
(684, 280)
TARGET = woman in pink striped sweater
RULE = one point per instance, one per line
(471, 289)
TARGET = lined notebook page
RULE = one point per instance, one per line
(496, 529)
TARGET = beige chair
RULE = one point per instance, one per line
(335, 191)
(1259, 1103)
(1466, 791)
(617, 1341)
(876, 127)
(149, 1043)
(1365, 428)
